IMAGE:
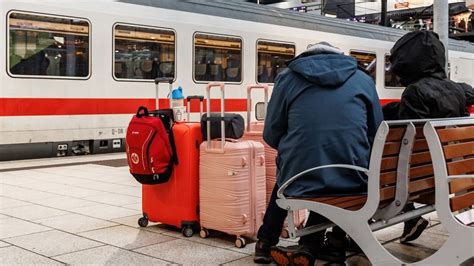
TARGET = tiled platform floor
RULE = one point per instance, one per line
(87, 214)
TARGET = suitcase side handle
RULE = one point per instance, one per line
(188, 102)
(250, 88)
(209, 86)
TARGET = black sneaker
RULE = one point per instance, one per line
(262, 252)
(293, 255)
(413, 229)
(333, 249)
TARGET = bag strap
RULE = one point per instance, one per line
(145, 111)
(174, 158)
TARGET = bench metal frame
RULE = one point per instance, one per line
(356, 223)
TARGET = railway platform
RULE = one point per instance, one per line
(84, 210)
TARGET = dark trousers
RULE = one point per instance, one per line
(273, 224)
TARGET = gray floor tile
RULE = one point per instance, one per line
(64, 203)
(106, 212)
(17, 256)
(244, 261)
(12, 227)
(52, 243)
(10, 203)
(131, 221)
(32, 212)
(135, 206)
(45, 186)
(126, 237)
(78, 192)
(12, 179)
(114, 199)
(131, 191)
(27, 194)
(409, 253)
(388, 234)
(75, 223)
(108, 255)
(4, 244)
(438, 229)
(186, 252)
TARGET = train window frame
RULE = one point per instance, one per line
(384, 71)
(7, 32)
(366, 52)
(218, 35)
(146, 27)
(256, 55)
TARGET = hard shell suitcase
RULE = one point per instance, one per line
(176, 201)
(232, 183)
(254, 131)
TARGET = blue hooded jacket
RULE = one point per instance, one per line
(323, 110)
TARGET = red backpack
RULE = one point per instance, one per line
(150, 146)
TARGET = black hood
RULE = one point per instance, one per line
(416, 55)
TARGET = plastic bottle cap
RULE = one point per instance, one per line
(177, 93)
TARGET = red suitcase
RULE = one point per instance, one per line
(176, 201)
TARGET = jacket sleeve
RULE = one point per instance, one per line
(276, 120)
(413, 104)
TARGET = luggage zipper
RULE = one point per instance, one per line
(253, 192)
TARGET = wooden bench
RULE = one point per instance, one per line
(451, 143)
(400, 171)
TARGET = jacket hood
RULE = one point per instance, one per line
(416, 55)
(324, 64)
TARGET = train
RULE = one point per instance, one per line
(75, 72)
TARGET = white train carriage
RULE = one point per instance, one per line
(74, 72)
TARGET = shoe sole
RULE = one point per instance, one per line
(262, 260)
(301, 260)
(415, 231)
(279, 257)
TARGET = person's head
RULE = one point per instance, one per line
(416, 55)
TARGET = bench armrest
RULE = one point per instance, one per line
(293, 178)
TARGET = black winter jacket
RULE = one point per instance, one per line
(418, 59)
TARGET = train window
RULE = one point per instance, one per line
(217, 58)
(391, 80)
(143, 53)
(271, 59)
(367, 61)
(48, 46)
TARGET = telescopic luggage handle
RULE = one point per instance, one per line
(188, 101)
(250, 88)
(208, 122)
(157, 82)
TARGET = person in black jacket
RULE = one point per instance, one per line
(418, 59)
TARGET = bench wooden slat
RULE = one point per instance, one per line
(462, 201)
(421, 185)
(421, 171)
(420, 145)
(391, 148)
(396, 134)
(459, 185)
(388, 178)
(389, 163)
(421, 158)
(461, 167)
(419, 133)
(455, 134)
(458, 150)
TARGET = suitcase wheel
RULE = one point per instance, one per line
(240, 242)
(204, 233)
(143, 222)
(187, 231)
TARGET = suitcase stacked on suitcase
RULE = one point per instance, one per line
(232, 182)
(254, 131)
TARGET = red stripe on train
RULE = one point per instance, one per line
(87, 106)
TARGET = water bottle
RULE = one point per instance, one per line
(177, 104)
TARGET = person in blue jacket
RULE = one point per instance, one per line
(323, 110)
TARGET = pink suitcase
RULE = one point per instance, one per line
(254, 131)
(231, 183)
